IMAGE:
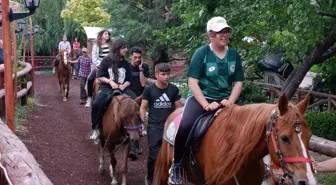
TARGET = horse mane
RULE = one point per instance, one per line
(127, 106)
(240, 130)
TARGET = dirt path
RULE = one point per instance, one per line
(55, 135)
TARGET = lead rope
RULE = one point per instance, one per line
(235, 178)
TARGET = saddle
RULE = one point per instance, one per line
(109, 98)
(201, 125)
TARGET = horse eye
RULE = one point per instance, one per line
(285, 139)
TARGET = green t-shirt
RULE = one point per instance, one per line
(215, 75)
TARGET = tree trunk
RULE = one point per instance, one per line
(323, 146)
(324, 50)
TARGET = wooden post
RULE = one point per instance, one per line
(9, 97)
(2, 100)
(24, 97)
(32, 57)
(15, 62)
(272, 95)
(329, 104)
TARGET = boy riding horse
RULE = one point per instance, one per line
(63, 45)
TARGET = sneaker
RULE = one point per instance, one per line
(133, 155)
(94, 135)
(138, 150)
(88, 102)
(82, 102)
(148, 181)
(175, 174)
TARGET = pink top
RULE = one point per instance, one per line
(76, 45)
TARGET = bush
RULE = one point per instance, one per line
(253, 94)
(322, 124)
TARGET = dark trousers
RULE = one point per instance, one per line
(82, 87)
(192, 110)
(97, 107)
(91, 80)
(154, 139)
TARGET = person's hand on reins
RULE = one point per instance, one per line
(113, 85)
(211, 106)
(226, 102)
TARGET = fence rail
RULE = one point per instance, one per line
(24, 87)
(317, 98)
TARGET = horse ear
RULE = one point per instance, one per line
(138, 99)
(303, 105)
(283, 104)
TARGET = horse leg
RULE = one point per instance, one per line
(112, 168)
(163, 161)
(63, 90)
(68, 88)
(101, 158)
(66, 91)
(124, 162)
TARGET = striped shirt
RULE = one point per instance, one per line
(99, 53)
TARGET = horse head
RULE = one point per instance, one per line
(128, 113)
(288, 136)
(64, 56)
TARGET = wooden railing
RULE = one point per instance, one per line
(25, 86)
(17, 165)
(323, 98)
(41, 62)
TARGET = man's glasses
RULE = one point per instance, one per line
(223, 32)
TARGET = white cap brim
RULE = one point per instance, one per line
(219, 27)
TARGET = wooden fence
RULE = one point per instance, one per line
(17, 165)
(41, 62)
(22, 91)
(318, 99)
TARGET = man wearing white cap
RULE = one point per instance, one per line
(215, 78)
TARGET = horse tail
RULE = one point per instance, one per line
(161, 165)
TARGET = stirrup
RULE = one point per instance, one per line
(175, 175)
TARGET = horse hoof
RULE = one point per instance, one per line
(64, 99)
(114, 183)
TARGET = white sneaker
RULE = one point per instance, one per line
(94, 134)
(88, 102)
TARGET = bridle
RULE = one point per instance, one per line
(273, 135)
(126, 128)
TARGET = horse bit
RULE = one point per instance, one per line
(271, 133)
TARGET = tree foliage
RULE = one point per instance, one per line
(86, 13)
(136, 20)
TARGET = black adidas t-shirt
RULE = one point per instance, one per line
(136, 86)
(161, 103)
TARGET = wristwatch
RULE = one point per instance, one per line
(141, 69)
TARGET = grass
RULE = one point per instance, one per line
(21, 112)
(327, 178)
(43, 73)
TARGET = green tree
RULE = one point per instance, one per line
(290, 27)
(136, 20)
(86, 13)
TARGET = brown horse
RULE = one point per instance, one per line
(231, 151)
(64, 73)
(120, 125)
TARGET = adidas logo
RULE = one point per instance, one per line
(163, 102)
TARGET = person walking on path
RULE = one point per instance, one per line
(161, 98)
